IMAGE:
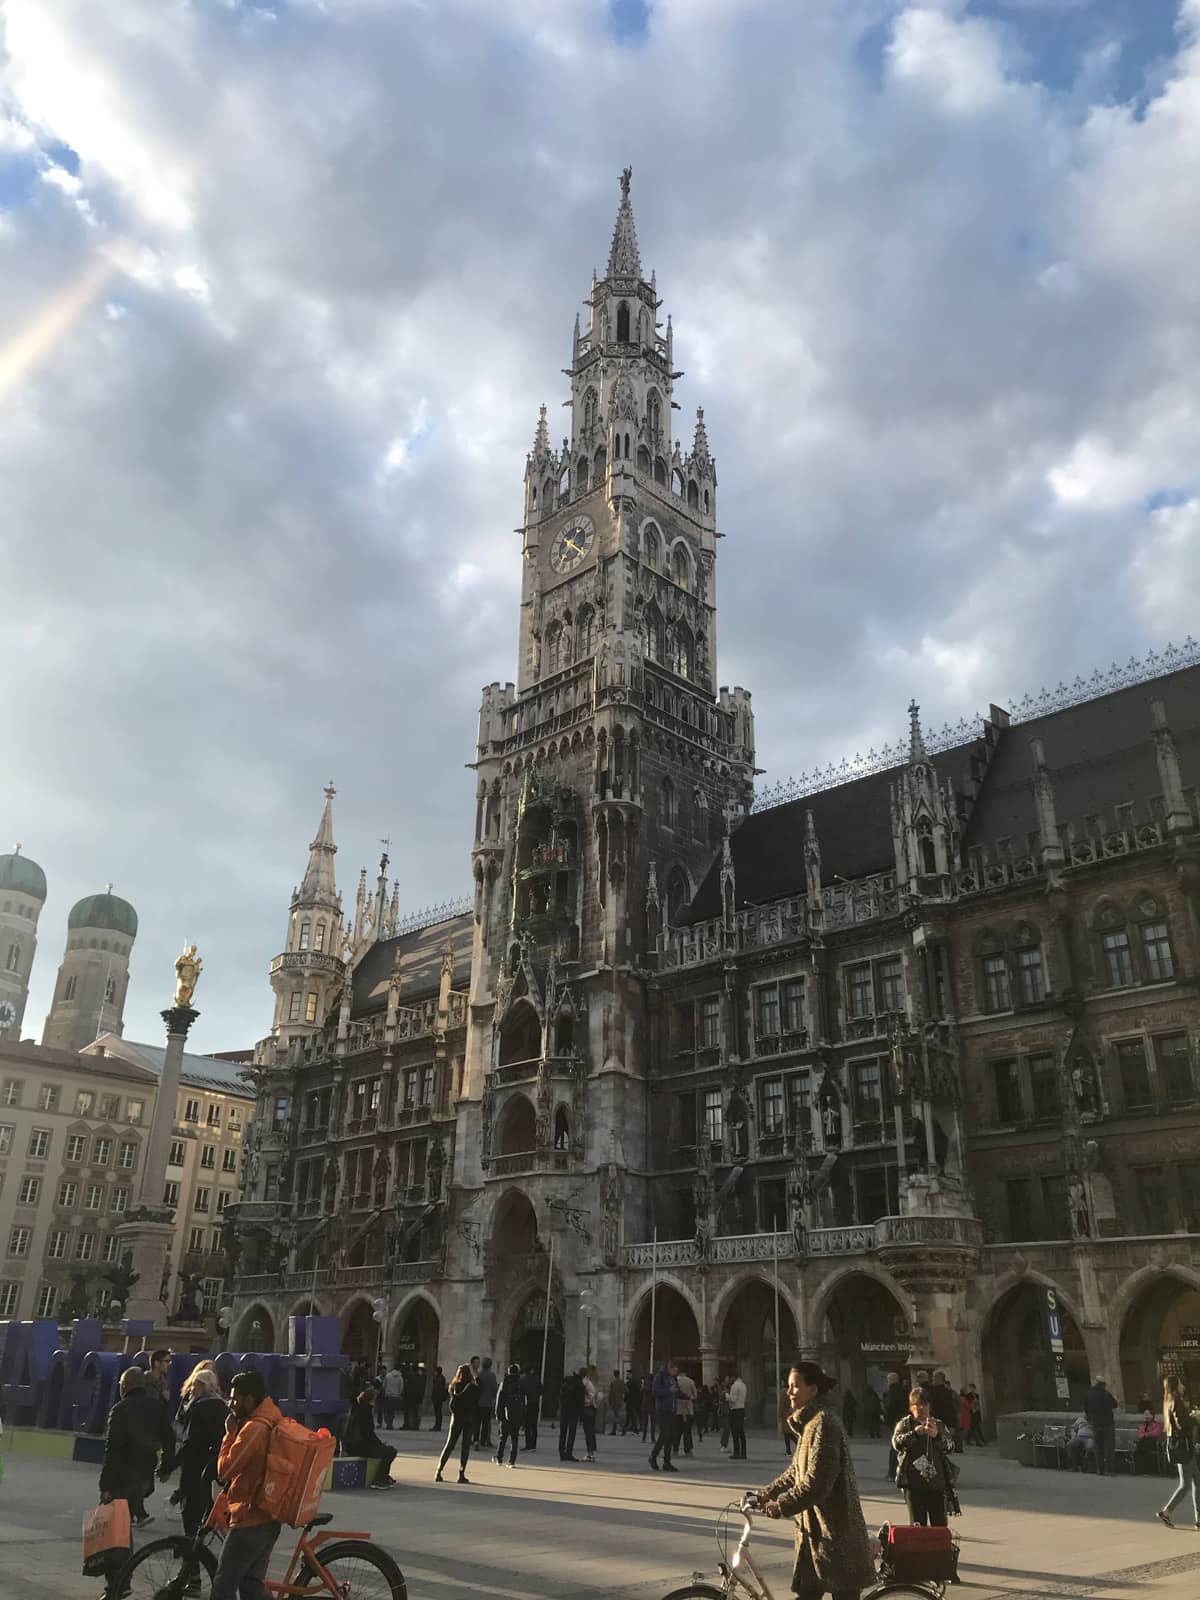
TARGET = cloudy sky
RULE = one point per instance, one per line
(286, 280)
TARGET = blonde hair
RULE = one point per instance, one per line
(201, 1380)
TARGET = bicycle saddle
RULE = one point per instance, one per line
(319, 1521)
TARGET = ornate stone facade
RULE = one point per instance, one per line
(860, 1066)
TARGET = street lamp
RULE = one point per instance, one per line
(587, 1310)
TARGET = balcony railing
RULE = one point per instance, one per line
(505, 1166)
(852, 1239)
(307, 961)
(515, 1072)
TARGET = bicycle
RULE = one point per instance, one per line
(338, 1564)
(738, 1573)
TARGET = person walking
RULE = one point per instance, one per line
(975, 1432)
(591, 1398)
(241, 1468)
(723, 1413)
(665, 1390)
(1099, 1407)
(463, 1395)
(393, 1395)
(895, 1405)
(849, 1412)
(510, 1414)
(632, 1419)
(438, 1392)
(923, 1471)
(1181, 1449)
(570, 1413)
(703, 1401)
(737, 1417)
(158, 1376)
(872, 1411)
(414, 1394)
(943, 1402)
(648, 1420)
(616, 1403)
(686, 1414)
(489, 1384)
(203, 1416)
(360, 1439)
(819, 1490)
(138, 1430)
(531, 1388)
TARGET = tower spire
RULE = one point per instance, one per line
(700, 451)
(541, 439)
(319, 886)
(916, 739)
(624, 261)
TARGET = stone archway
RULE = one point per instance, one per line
(1017, 1362)
(516, 1130)
(360, 1333)
(533, 1332)
(255, 1329)
(415, 1332)
(1159, 1335)
(865, 1333)
(746, 1344)
(676, 1333)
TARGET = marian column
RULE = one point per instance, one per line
(147, 1237)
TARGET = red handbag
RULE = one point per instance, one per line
(919, 1555)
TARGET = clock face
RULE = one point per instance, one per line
(572, 544)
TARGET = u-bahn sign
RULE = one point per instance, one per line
(1058, 1355)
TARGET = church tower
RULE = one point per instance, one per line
(308, 972)
(608, 776)
(22, 896)
(93, 980)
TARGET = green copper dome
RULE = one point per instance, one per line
(104, 911)
(19, 872)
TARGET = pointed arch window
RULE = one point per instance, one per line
(305, 935)
(110, 990)
(681, 650)
(623, 323)
(584, 632)
(652, 624)
(682, 566)
(581, 473)
(679, 895)
(653, 415)
(651, 548)
(320, 941)
(591, 408)
(554, 647)
(14, 958)
(72, 985)
(668, 804)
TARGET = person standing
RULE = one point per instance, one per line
(616, 1402)
(647, 1411)
(665, 1390)
(1181, 1449)
(849, 1411)
(438, 1391)
(737, 1417)
(414, 1393)
(138, 1430)
(922, 1448)
(489, 1384)
(591, 1397)
(204, 1415)
(943, 1402)
(632, 1420)
(158, 1377)
(531, 1388)
(818, 1489)
(872, 1411)
(510, 1414)
(570, 1413)
(686, 1414)
(1099, 1408)
(464, 1398)
(975, 1432)
(723, 1413)
(241, 1467)
(895, 1405)
(394, 1384)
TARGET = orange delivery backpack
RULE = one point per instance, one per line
(298, 1461)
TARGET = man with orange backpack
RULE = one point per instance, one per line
(241, 1468)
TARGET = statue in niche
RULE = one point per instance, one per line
(189, 1297)
(1078, 1209)
(736, 1118)
(831, 1112)
(611, 1220)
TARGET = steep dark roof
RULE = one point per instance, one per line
(1100, 754)
(420, 964)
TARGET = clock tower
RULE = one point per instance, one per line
(607, 779)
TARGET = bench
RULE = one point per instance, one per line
(353, 1472)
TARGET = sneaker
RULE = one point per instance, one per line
(462, 1478)
(667, 1467)
(653, 1463)
(589, 1458)
(437, 1478)
(1164, 1519)
(142, 1522)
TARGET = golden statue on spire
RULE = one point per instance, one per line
(188, 967)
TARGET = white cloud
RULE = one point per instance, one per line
(1166, 570)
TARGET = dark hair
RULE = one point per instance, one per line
(514, 1371)
(462, 1377)
(814, 1376)
(159, 1355)
(251, 1383)
(920, 1396)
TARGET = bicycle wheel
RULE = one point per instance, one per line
(697, 1591)
(161, 1571)
(904, 1591)
(360, 1571)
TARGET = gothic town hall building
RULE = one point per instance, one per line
(921, 1040)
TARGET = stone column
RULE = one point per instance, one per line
(146, 1238)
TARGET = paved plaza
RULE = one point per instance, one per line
(549, 1530)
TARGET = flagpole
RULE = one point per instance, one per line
(653, 1289)
(546, 1318)
(778, 1375)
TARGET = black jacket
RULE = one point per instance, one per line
(438, 1388)
(510, 1401)
(911, 1447)
(1099, 1407)
(464, 1401)
(138, 1428)
(895, 1403)
(943, 1402)
(203, 1423)
(531, 1388)
(359, 1437)
(571, 1395)
(1181, 1437)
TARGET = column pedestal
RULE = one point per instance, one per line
(146, 1242)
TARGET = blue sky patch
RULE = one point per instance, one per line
(630, 18)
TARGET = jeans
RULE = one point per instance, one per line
(1106, 1440)
(589, 1429)
(926, 1507)
(617, 1416)
(737, 1429)
(568, 1425)
(686, 1435)
(245, 1557)
(461, 1428)
(483, 1426)
(531, 1422)
(666, 1438)
(509, 1435)
(1188, 1474)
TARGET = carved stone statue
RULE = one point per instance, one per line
(121, 1278)
(610, 1223)
(1077, 1206)
(188, 967)
(79, 1302)
(189, 1297)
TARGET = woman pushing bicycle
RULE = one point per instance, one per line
(819, 1490)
